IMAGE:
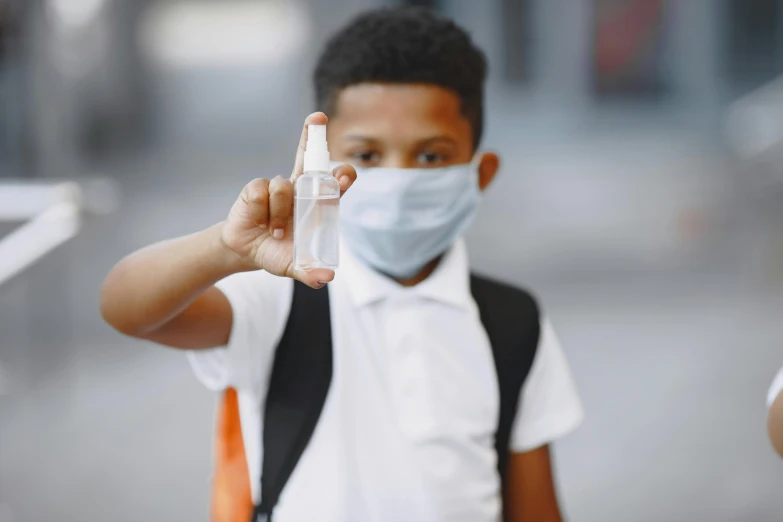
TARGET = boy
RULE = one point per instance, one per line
(409, 427)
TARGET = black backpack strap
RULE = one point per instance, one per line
(298, 386)
(510, 318)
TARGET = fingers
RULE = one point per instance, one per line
(315, 277)
(345, 175)
(281, 200)
(316, 118)
(270, 203)
(256, 197)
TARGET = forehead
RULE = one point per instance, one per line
(383, 111)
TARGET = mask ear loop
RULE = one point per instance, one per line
(475, 164)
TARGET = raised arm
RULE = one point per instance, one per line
(165, 292)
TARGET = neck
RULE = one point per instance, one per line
(425, 272)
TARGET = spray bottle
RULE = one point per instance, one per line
(316, 207)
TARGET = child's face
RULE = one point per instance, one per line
(403, 126)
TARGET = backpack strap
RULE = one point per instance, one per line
(298, 386)
(510, 318)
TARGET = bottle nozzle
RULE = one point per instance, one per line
(316, 156)
(316, 137)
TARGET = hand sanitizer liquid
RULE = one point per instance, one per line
(316, 207)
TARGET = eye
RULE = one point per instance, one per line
(430, 158)
(365, 159)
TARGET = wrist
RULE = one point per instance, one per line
(226, 260)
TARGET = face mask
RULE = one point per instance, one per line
(398, 220)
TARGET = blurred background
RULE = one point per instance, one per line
(641, 196)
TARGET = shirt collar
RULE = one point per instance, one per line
(449, 283)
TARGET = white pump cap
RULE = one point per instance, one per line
(316, 156)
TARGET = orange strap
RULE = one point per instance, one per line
(231, 497)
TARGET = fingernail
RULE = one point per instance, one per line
(344, 181)
(322, 283)
(278, 233)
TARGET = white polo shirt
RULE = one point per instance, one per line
(407, 429)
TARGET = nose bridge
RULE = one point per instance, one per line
(398, 158)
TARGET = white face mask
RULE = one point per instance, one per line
(398, 220)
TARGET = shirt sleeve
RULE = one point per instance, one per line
(260, 303)
(549, 404)
(776, 388)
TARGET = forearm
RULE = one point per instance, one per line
(775, 424)
(150, 287)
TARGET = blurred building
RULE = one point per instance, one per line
(588, 85)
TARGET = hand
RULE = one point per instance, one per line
(259, 228)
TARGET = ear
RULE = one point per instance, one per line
(488, 167)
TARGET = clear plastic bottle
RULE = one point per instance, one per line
(316, 207)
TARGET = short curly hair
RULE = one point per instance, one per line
(404, 45)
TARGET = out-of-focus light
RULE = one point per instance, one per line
(53, 215)
(31, 241)
(79, 35)
(754, 123)
(233, 33)
(26, 200)
(755, 129)
(74, 15)
(100, 196)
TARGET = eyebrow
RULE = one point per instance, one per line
(357, 137)
(430, 141)
(425, 141)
